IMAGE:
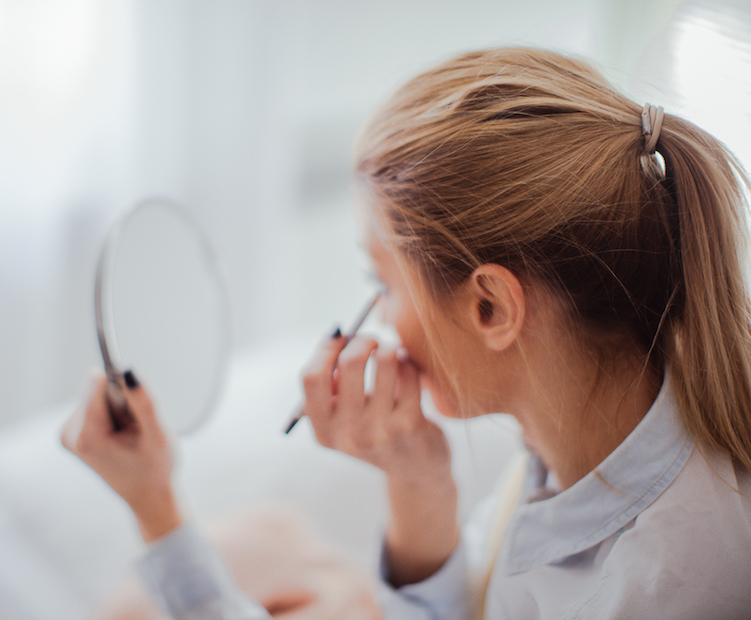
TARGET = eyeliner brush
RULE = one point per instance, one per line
(347, 337)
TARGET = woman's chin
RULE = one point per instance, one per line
(446, 404)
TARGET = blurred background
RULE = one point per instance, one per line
(245, 111)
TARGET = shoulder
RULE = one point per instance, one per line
(709, 500)
(689, 553)
(711, 497)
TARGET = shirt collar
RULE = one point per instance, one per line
(605, 500)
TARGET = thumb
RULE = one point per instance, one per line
(87, 412)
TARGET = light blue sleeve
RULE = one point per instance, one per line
(445, 595)
(187, 577)
(452, 592)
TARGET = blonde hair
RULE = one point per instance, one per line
(531, 160)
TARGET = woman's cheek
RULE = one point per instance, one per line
(401, 314)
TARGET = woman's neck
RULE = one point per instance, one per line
(575, 412)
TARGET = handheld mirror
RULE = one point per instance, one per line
(161, 307)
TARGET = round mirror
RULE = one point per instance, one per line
(161, 308)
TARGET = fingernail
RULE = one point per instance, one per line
(337, 334)
(130, 379)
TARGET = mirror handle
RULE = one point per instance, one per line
(118, 407)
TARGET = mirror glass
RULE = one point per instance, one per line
(162, 310)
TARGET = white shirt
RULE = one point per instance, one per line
(658, 530)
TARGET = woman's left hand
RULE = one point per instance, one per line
(135, 461)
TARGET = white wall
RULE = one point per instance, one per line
(244, 110)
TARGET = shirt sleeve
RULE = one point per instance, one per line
(187, 577)
(445, 595)
(453, 591)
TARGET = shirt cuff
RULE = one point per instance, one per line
(443, 595)
(186, 576)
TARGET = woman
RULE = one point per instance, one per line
(541, 259)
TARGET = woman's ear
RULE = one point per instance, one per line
(496, 300)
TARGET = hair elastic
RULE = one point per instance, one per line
(651, 124)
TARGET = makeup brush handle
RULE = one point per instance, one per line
(300, 411)
(295, 419)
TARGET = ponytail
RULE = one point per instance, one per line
(708, 343)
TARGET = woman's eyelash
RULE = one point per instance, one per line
(373, 277)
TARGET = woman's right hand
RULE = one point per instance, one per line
(385, 427)
(135, 461)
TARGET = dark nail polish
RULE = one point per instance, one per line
(130, 379)
(337, 334)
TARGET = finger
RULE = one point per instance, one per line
(140, 404)
(325, 355)
(92, 425)
(72, 428)
(351, 375)
(384, 388)
(121, 417)
(318, 378)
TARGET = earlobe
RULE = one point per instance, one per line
(497, 299)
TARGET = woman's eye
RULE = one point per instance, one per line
(373, 277)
